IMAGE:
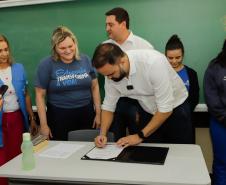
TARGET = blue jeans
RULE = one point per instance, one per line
(218, 136)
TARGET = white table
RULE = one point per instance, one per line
(184, 165)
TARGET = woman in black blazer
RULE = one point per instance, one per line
(193, 93)
(174, 52)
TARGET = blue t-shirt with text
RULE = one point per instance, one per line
(66, 85)
(184, 76)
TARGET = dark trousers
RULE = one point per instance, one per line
(125, 117)
(61, 120)
(176, 129)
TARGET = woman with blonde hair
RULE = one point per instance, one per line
(69, 83)
(16, 106)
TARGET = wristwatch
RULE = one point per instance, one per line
(141, 135)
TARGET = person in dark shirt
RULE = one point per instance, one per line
(215, 96)
(174, 52)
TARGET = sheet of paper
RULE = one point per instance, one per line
(62, 150)
(108, 152)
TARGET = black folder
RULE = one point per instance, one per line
(139, 154)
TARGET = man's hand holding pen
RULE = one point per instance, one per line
(101, 141)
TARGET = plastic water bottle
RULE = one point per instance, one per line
(28, 160)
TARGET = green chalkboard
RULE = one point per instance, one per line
(199, 23)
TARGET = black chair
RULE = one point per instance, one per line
(87, 135)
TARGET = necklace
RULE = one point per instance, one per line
(5, 75)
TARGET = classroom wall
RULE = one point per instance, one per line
(201, 24)
(204, 140)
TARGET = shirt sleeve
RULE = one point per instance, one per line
(111, 96)
(193, 96)
(43, 74)
(92, 70)
(160, 78)
(147, 45)
(212, 97)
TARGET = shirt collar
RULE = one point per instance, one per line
(130, 37)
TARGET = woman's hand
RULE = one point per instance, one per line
(33, 127)
(45, 130)
(1, 102)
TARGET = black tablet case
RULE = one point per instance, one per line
(139, 154)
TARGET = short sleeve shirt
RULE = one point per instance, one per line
(184, 76)
(66, 85)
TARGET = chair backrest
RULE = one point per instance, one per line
(87, 135)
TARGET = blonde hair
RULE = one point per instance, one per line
(58, 36)
(4, 39)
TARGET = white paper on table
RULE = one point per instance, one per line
(62, 150)
(108, 152)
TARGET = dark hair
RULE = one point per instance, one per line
(173, 43)
(221, 57)
(107, 53)
(120, 15)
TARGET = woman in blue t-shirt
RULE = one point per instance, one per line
(174, 51)
(69, 83)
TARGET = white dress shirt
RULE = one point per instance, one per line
(156, 85)
(132, 42)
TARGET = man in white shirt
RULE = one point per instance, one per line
(144, 75)
(128, 112)
(117, 28)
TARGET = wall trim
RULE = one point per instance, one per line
(12, 3)
(201, 108)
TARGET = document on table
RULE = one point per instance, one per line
(62, 150)
(110, 151)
